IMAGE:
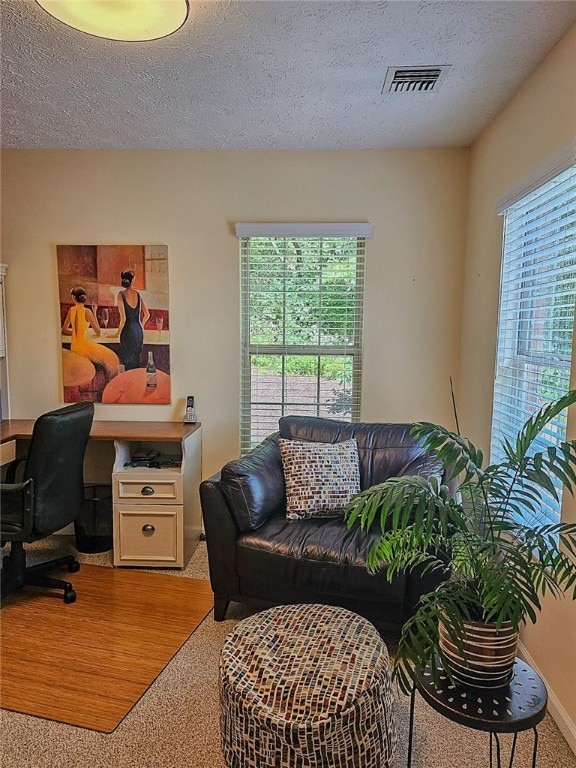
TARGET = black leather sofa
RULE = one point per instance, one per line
(254, 552)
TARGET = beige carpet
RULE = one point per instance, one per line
(88, 663)
(175, 723)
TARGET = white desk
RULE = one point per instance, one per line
(157, 518)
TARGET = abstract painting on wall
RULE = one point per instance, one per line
(115, 323)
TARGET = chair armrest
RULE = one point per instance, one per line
(254, 485)
(16, 522)
(11, 468)
(221, 534)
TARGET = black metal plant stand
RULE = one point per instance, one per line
(520, 706)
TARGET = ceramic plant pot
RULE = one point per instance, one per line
(486, 656)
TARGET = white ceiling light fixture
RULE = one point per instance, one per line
(127, 20)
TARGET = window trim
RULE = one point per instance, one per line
(556, 164)
(247, 350)
(349, 229)
(526, 313)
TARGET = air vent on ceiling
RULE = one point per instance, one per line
(423, 79)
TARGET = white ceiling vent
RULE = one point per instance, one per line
(404, 79)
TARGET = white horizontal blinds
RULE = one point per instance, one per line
(536, 316)
(302, 302)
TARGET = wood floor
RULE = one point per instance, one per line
(88, 663)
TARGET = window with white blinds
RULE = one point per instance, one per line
(536, 317)
(302, 300)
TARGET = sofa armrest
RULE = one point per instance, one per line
(221, 534)
(254, 485)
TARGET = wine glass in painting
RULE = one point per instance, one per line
(105, 317)
(159, 324)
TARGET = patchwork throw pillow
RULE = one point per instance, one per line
(320, 478)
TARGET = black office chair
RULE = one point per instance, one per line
(49, 497)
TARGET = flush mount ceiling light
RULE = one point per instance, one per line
(129, 20)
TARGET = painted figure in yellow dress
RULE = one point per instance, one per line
(76, 324)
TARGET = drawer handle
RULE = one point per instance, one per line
(148, 528)
(147, 490)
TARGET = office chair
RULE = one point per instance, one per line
(49, 497)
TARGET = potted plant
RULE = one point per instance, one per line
(498, 562)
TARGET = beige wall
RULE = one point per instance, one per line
(540, 121)
(416, 200)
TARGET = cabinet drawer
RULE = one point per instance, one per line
(146, 489)
(151, 536)
(7, 452)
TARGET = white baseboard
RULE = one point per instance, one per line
(562, 719)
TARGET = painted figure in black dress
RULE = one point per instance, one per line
(133, 316)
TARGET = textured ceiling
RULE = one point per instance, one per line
(268, 74)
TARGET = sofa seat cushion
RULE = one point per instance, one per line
(319, 554)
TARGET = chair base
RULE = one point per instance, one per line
(16, 575)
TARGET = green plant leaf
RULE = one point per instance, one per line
(478, 529)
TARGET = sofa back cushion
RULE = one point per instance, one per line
(384, 450)
(321, 478)
(254, 485)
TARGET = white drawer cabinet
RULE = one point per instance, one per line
(150, 535)
(7, 452)
(157, 519)
(151, 487)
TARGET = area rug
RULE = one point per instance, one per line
(88, 663)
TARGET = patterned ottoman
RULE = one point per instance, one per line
(306, 686)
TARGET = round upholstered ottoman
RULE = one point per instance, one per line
(306, 686)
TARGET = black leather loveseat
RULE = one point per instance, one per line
(254, 552)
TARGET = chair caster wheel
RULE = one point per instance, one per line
(74, 567)
(70, 596)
